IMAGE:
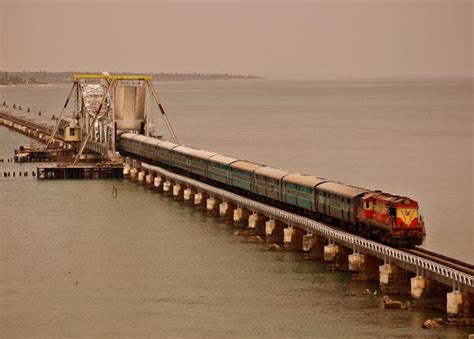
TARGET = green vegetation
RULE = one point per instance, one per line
(41, 77)
(15, 79)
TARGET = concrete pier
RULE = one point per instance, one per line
(126, 171)
(365, 267)
(133, 174)
(226, 210)
(167, 188)
(200, 200)
(188, 196)
(274, 231)
(212, 206)
(393, 279)
(313, 246)
(336, 257)
(158, 184)
(240, 216)
(458, 303)
(177, 192)
(141, 178)
(419, 286)
(149, 180)
(256, 224)
(293, 238)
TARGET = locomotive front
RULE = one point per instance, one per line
(396, 219)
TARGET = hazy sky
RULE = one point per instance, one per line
(331, 38)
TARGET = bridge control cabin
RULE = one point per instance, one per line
(72, 133)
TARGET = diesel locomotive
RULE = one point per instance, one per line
(390, 219)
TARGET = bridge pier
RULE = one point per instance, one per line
(212, 206)
(393, 279)
(188, 196)
(336, 257)
(313, 246)
(459, 304)
(149, 180)
(419, 286)
(133, 174)
(126, 171)
(141, 177)
(200, 200)
(167, 190)
(256, 224)
(364, 266)
(293, 238)
(240, 216)
(177, 192)
(158, 184)
(427, 294)
(226, 211)
(274, 231)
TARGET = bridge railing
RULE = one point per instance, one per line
(365, 245)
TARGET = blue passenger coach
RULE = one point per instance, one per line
(242, 174)
(339, 200)
(218, 168)
(198, 163)
(268, 182)
(299, 190)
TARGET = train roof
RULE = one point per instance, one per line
(127, 135)
(152, 141)
(271, 172)
(341, 189)
(246, 165)
(183, 149)
(303, 179)
(140, 138)
(222, 159)
(201, 154)
(168, 145)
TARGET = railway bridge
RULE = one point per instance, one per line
(429, 278)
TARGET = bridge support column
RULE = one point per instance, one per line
(419, 286)
(335, 257)
(240, 216)
(126, 171)
(149, 180)
(133, 174)
(458, 303)
(256, 224)
(177, 192)
(226, 211)
(212, 206)
(188, 196)
(293, 238)
(158, 184)
(393, 280)
(167, 188)
(200, 200)
(313, 246)
(141, 177)
(364, 266)
(274, 231)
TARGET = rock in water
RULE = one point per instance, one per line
(389, 303)
(430, 323)
(274, 247)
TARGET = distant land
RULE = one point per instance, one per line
(43, 78)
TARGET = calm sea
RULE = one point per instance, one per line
(77, 262)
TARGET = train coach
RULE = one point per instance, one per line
(388, 218)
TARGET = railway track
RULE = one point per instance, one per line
(444, 260)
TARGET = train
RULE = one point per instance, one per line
(390, 219)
